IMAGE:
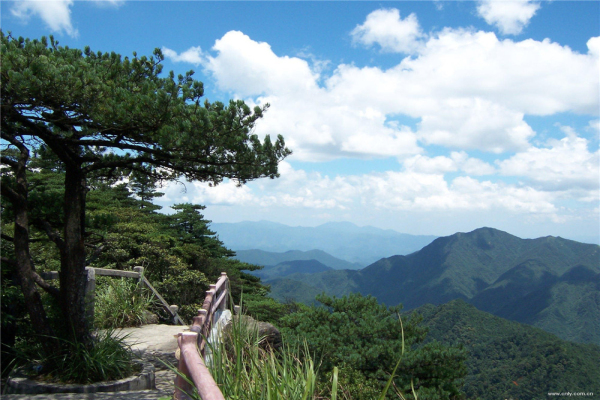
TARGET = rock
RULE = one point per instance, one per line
(149, 318)
(271, 337)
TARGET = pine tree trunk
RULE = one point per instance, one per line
(73, 275)
(25, 268)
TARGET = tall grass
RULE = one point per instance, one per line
(121, 303)
(245, 371)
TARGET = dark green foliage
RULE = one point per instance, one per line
(180, 254)
(512, 360)
(358, 333)
(143, 184)
(267, 309)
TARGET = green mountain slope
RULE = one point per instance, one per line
(269, 258)
(334, 283)
(547, 282)
(512, 360)
(287, 268)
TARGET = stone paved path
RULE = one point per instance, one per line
(150, 342)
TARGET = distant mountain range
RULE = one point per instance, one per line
(549, 282)
(269, 258)
(344, 240)
(511, 360)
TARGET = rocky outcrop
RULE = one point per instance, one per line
(269, 334)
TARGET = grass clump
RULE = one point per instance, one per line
(107, 357)
(121, 303)
(245, 370)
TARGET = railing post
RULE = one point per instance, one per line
(140, 270)
(204, 329)
(90, 294)
(182, 386)
(174, 309)
(224, 304)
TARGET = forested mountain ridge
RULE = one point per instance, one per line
(511, 360)
(548, 282)
(464, 264)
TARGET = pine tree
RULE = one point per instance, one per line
(103, 116)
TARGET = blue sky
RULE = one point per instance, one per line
(423, 117)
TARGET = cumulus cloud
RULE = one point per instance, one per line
(594, 126)
(386, 28)
(251, 68)
(469, 90)
(458, 161)
(565, 164)
(409, 190)
(509, 16)
(193, 55)
(56, 14)
(317, 125)
(474, 123)
(226, 193)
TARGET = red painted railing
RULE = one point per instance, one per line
(192, 347)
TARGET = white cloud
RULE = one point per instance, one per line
(408, 191)
(469, 90)
(594, 126)
(109, 3)
(509, 16)
(250, 68)
(474, 123)
(226, 193)
(316, 125)
(392, 33)
(458, 161)
(565, 164)
(193, 55)
(593, 46)
(56, 14)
